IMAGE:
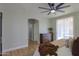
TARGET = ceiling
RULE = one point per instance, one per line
(34, 11)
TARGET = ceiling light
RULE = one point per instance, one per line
(53, 11)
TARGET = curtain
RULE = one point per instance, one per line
(64, 28)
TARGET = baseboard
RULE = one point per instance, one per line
(11, 49)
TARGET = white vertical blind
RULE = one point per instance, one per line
(64, 28)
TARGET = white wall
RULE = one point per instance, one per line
(14, 28)
(43, 25)
(53, 25)
(76, 23)
(36, 32)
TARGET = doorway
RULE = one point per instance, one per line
(0, 33)
(33, 31)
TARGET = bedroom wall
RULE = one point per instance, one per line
(52, 23)
(36, 32)
(14, 27)
(43, 25)
(76, 23)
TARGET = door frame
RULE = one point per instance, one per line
(1, 35)
(35, 20)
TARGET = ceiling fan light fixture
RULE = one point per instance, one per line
(53, 11)
(53, 8)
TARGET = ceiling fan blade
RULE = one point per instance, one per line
(53, 6)
(60, 11)
(59, 5)
(49, 13)
(44, 8)
(64, 7)
(44, 11)
(50, 5)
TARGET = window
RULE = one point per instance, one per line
(64, 28)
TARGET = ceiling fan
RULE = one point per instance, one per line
(53, 8)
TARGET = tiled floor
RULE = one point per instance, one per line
(24, 51)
